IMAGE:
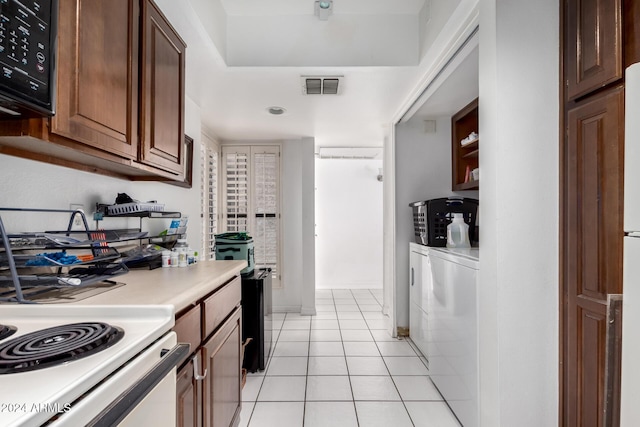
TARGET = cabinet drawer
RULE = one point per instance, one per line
(188, 327)
(219, 305)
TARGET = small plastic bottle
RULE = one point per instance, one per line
(174, 258)
(166, 258)
(181, 247)
(458, 233)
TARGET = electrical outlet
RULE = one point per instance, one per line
(77, 220)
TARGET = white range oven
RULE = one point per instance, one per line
(77, 365)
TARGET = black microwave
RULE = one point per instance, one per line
(28, 30)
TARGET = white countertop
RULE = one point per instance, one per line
(471, 253)
(469, 257)
(179, 287)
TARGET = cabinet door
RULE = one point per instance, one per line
(593, 44)
(97, 85)
(592, 250)
(162, 112)
(420, 282)
(222, 394)
(420, 278)
(188, 398)
(415, 276)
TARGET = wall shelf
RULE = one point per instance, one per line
(464, 158)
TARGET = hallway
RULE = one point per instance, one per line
(341, 368)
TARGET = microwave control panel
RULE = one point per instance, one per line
(26, 40)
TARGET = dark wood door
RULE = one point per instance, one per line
(593, 45)
(188, 398)
(592, 245)
(97, 85)
(222, 393)
(163, 53)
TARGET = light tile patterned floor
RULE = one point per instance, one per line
(341, 368)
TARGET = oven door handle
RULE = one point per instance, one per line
(129, 399)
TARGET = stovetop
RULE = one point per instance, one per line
(36, 393)
(57, 345)
(6, 331)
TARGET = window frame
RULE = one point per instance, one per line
(251, 150)
(209, 145)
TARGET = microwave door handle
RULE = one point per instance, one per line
(117, 410)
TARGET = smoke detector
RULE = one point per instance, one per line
(321, 85)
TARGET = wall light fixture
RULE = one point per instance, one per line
(323, 9)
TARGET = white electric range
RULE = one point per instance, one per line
(134, 374)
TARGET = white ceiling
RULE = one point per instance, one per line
(301, 7)
(233, 99)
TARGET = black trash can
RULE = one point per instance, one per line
(257, 319)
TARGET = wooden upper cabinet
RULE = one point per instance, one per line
(162, 96)
(593, 37)
(97, 92)
(120, 95)
(631, 21)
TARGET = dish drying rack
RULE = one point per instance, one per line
(100, 266)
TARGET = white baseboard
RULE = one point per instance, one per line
(349, 285)
(286, 308)
(308, 311)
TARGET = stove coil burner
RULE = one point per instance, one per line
(53, 346)
(6, 331)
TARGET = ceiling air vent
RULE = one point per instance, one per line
(321, 85)
(367, 153)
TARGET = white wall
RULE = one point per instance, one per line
(303, 40)
(423, 172)
(298, 275)
(518, 290)
(297, 215)
(348, 224)
(433, 16)
(27, 183)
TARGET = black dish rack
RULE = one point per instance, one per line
(16, 253)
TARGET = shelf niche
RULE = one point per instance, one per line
(464, 159)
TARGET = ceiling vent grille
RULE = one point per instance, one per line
(367, 153)
(321, 85)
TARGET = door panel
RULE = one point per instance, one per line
(188, 398)
(593, 248)
(97, 86)
(593, 45)
(223, 383)
(162, 83)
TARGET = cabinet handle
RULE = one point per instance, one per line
(196, 368)
(412, 276)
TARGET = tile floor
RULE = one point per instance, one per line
(341, 368)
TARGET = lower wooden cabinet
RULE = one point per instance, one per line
(222, 386)
(209, 385)
(188, 397)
